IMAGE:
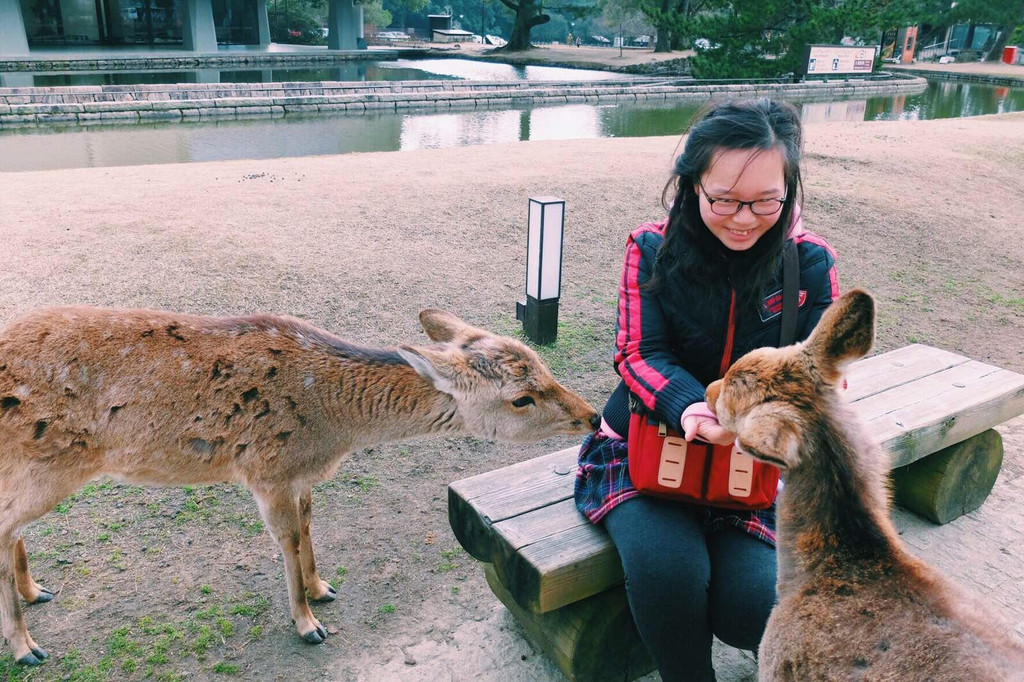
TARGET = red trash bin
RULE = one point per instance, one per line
(1010, 54)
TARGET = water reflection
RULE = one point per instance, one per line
(361, 70)
(946, 99)
(433, 131)
(75, 147)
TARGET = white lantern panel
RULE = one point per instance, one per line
(533, 250)
(551, 272)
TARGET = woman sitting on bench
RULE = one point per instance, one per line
(699, 290)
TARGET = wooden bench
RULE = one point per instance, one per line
(561, 576)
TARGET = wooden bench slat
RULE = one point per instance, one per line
(553, 556)
(521, 530)
(948, 413)
(475, 503)
(883, 372)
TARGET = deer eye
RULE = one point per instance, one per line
(522, 401)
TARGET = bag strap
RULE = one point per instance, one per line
(790, 289)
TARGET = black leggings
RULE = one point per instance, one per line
(685, 583)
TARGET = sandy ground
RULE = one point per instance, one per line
(925, 214)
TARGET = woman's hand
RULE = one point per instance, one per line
(699, 422)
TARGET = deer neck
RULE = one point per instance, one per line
(374, 403)
(834, 510)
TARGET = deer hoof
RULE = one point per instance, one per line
(44, 596)
(40, 654)
(330, 595)
(315, 636)
(30, 659)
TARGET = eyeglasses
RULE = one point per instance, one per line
(760, 207)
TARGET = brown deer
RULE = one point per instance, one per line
(273, 403)
(853, 603)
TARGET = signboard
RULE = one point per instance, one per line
(837, 60)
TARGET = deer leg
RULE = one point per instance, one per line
(318, 589)
(28, 490)
(26, 651)
(30, 590)
(280, 511)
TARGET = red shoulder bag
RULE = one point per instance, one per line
(664, 464)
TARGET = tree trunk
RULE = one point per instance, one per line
(664, 43)
(528, 14)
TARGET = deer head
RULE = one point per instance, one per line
(502, 389)
(769, 395)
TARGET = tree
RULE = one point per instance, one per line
(532, 13)
(765, 38)
(625, 17)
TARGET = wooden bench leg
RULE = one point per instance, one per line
(592, 640)
(953, 481)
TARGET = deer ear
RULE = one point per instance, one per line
(771, 433)
(844, 333)
(441, 326)
(430, 364)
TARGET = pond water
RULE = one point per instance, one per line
(97, 146)
(356, 70)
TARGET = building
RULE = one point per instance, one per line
(194, 25)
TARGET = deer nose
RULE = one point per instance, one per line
(595, 421)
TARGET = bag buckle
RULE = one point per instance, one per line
(741, 473)
(673, 460)
(662, 430)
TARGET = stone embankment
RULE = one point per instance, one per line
(198, 60)
(195, 101)
(986, 78)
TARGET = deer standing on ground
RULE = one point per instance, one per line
(273, 403)
(853, 603)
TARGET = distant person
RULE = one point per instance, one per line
(568, 41)
(700, 288)
(579, 41)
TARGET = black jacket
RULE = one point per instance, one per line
(667, 361)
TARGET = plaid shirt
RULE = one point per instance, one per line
(602, 482)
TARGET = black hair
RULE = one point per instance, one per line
(691, 256)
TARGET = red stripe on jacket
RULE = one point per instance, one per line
(630, 324)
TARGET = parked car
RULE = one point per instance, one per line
(392, 36)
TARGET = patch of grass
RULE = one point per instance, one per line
(116, 559)
(256, 606)
(227, 628)
(9, 670)
(202, 640)
(385, 609)
(205, 589)
(338, 581)
(256, 631)
(1012, 302)
(214, 611)
(103, 537)
(455, 591)
(224, 668)
(364, 483)
(447, 563)
(573, 350)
